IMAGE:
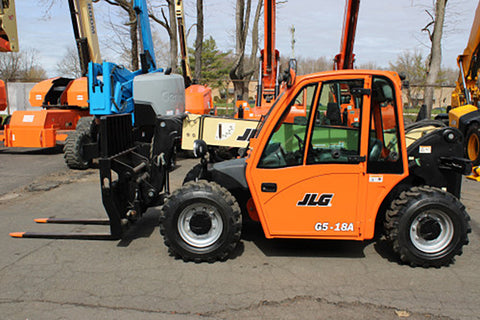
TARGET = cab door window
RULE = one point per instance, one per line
(336, 131)
(383, 146)
(286, 145)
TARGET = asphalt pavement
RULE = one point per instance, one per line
(135, 278)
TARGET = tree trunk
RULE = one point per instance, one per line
(170, 25)
(172, 32)
(242, 73)
(435, 55)
(133, 38)
(199, 41)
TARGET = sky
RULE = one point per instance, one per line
(386, 28)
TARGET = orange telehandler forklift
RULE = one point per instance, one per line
(316, 180)
(308, 179)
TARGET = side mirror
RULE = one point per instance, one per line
(199, 148)
(289, 75)
(292, 64)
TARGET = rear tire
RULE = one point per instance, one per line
(73, 150)
(201, 222)
(85, 124)
(427, 227)
(472, 144)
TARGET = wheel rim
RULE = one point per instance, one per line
(473, 147)
(200, 225)
(431, 231)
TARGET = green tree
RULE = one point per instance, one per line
(216, 64)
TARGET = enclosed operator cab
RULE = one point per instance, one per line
(326, 167)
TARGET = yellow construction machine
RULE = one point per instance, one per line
(465, 114)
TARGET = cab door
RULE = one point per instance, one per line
(308, 179)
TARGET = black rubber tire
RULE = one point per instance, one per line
(427, 227)
(472, 144)
(213, 201)
(73, 150)
(84, 124)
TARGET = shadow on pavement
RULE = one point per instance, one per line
(302, 247)
(384, 249)
(143, 228)
(31, 151)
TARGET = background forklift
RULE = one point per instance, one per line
(464, 113)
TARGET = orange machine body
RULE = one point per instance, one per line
(355, 193)
(37, 94)
(60, 93)
(40, 128)
(64, 101)
(198, 99)
(77, 93)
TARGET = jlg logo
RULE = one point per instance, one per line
(247, 135)
(313, 200)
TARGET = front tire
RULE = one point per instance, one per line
(201, 222)
(427, 227)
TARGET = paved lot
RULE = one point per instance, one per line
(20, 166)
(136, 278)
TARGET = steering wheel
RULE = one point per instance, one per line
(392, 144)
(274, 156)
(300, 141)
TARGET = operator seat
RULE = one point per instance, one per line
(333, 113)
(375, 149)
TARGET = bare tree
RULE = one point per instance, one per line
(130, 49)
(435, 57)
(21, 66)
(244, 67)
(307, 65)
(69, 66)
(170, 25)
(412, 65)
(127, 7)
